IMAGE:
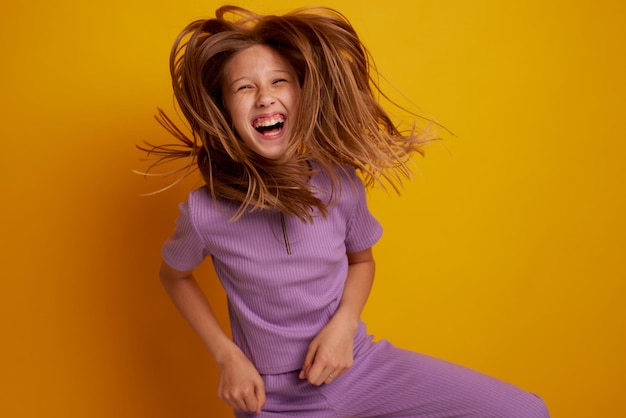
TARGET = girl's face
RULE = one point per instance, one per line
(261, 93)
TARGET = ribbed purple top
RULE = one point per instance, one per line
(277, 301)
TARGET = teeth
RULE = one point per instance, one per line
(265, 122)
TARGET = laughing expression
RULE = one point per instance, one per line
(261, 93)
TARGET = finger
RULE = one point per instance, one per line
(238, 404)
(305, 371)
(241, 403)
(315, 370)
(314, 373)
(331, 377)
(319, 375)
(232, 400)
(308, 361)
(260, 396)
(250, 400)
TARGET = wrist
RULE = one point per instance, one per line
(348, 318)
(225, 352)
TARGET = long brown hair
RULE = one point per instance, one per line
(341, 122)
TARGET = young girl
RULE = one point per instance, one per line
(283, 112)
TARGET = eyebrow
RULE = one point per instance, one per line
(272, 71)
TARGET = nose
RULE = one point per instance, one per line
(264, 98)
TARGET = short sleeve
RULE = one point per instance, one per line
(184, 250)
(363, 229)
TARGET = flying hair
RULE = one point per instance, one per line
(343, 123)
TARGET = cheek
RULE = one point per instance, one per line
(233, 117)
(236, 112)
(295, 101)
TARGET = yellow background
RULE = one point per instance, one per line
(505, 254)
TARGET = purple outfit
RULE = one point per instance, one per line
(278, 302)
(284, 279)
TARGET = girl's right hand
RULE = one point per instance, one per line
(240, 384)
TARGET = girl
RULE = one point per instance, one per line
(283, 112)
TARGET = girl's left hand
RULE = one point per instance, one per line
(330, 353)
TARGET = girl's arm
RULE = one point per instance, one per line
(240, 384)
(331, 351)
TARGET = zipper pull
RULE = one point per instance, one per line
(285, 236)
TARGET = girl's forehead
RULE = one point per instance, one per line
(256, 58)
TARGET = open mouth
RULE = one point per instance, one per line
(270, 126)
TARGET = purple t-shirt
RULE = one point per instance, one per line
(278, 301)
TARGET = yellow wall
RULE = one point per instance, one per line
(504, 254)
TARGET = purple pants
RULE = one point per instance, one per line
(389, 382)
